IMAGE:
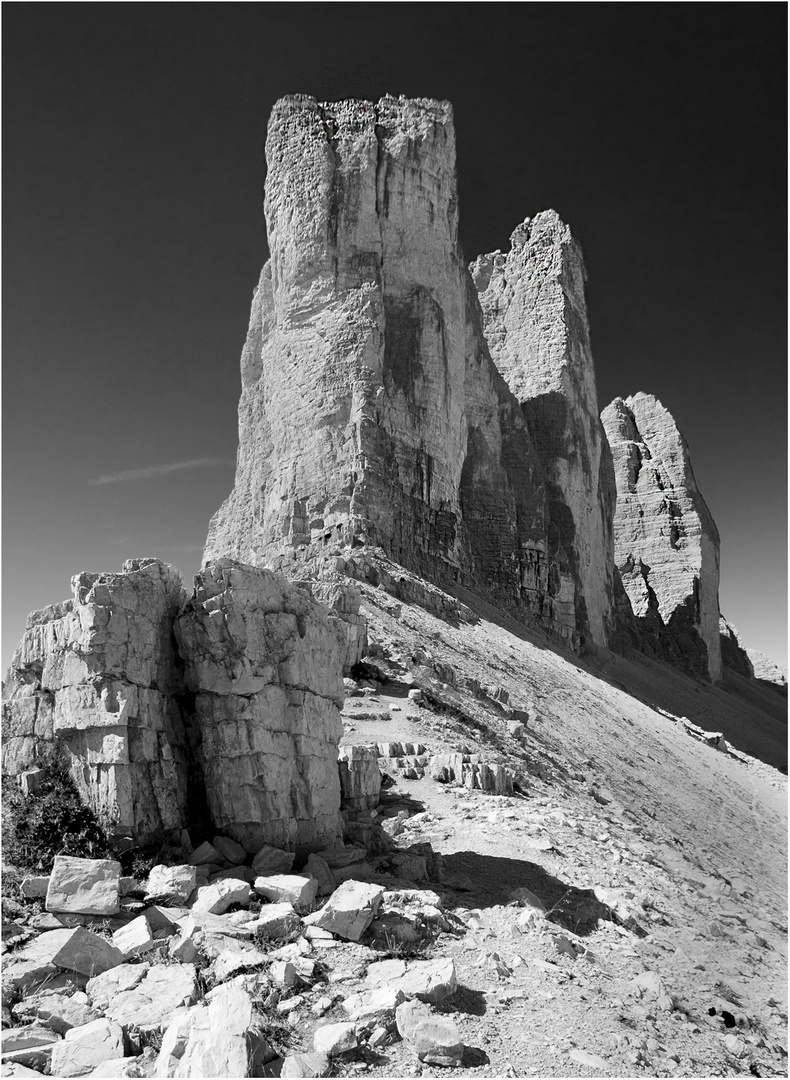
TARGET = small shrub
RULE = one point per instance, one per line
(53, 822)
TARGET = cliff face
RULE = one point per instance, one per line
(372, 413)
(535, 321)
(666, 542)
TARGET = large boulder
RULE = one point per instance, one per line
(84, 886)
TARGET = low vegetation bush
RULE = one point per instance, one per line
(52, 822)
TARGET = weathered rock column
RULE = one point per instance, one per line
(666, 542)
(535, 323)
(265, 667)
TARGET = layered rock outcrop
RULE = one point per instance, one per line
(265, 669)
(666, 542)
(94, 683)
(372, 414)
(535, 324)
(165, 709)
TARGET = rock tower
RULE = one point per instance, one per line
(666, 542)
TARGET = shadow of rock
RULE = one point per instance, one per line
(464, 1000)
(493, 879)
(474, 1057)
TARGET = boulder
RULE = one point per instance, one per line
(77, 950)
(302, 1065)
(435, 1039)
(379, 1004)
(360, 777)
(276, 921)
(317, 868)
(84, 886)
(58, 1012)
(171, 884)
(85, 1048)
(433, 981)
(205, 854)
(28, 1047)
(216, 1039)
(34, 887)
(271, 860)
(229, 850)
(134, 939)
(295, 889)
(231, 956)
(350, 910)
(149, 1005)
(215, 899)
(334, 1039)
(104, 988)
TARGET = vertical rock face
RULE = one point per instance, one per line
(265, 668)
(535, 323)
(666, 542)
(351, 418)
(371, 411)
(95, 682)
(226, 706)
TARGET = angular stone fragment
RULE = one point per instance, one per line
(317, 868)
(303, 1065)
(134, 939)
(58, 1012)
(171, 884)
(379, 1004)
(84, 886)
(34, 887)
(26, 1038)
(102, 989)
(334, 1039)
(217, 898)
(218, 1039)
(77, 950)
(85, 1048)
(149, 1005)
(271, 860)
(350, 909)
(384, 973)
(229, 850)
(295, 889)
(435, 1039)
(360, 777)
(231, 956)
(204, 854)
(429, 980)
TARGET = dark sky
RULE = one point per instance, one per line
(133, 228)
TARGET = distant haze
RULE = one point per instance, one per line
(134, 236)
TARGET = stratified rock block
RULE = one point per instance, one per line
(265, 667)
(94, 682)
(666, 542)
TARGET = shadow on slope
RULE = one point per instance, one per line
(752, 717)
(493, 878)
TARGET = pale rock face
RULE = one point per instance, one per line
(371, 412)
(96, 679)
(535, 324)
(265, 667)
(666, 542)
(84, 886)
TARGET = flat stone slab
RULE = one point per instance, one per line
(350, 909)
(296, 889)
(104, 988)
(59, 1012)
(149, 1005)
(77, 950)
(84, 886)
(85, 1048)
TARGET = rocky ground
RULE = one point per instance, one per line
(621, 913)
